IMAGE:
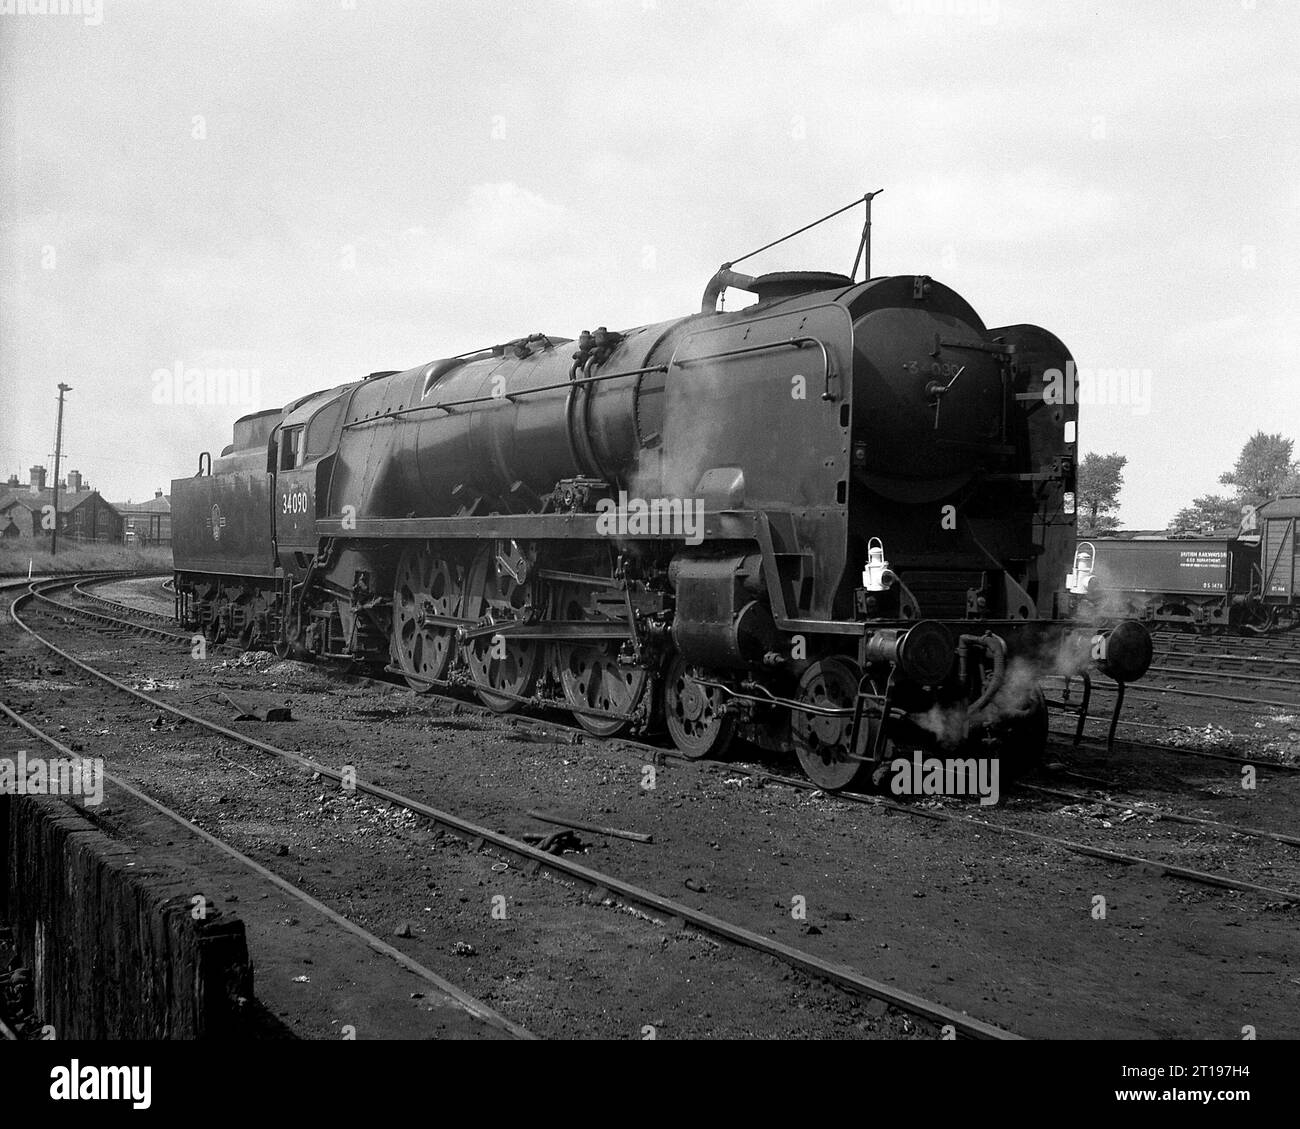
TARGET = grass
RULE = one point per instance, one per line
(78, 556)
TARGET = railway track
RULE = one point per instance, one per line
(1282, 646)
(1217, 648)
(472, 1006)
(81, 590)
(652, 750)
(1156, 812)
(1064, 740)
(1134, 746)
(1276, 671)
(1287, 684)
(1232, 668)
(1147, 866)
(645, 749)
(534, 860)
(1126, 745)
(1288, 691)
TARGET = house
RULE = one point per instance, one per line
(146, 523)
(83, 515)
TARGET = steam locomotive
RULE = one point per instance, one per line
(835, 522)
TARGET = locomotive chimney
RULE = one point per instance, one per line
(719, 282)
(776, 284)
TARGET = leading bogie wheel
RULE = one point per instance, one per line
(694, 714)
(823, 739)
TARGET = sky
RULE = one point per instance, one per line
(293, 193)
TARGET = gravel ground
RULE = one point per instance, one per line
(1005, 929)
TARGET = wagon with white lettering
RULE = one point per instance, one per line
(1199, 583)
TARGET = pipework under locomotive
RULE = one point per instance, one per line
(835, 522)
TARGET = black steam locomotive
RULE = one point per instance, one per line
(835, 522)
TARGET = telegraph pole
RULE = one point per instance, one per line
(58, 453)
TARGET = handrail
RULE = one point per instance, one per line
(509, 396)
(795, 342)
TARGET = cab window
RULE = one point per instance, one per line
(290, 448)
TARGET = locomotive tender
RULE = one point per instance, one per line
(835, 522)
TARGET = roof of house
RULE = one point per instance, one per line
(152, 506)
(68, 501)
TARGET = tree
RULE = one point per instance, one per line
(1212, 511)
(1101, 477)
(1262, 468)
